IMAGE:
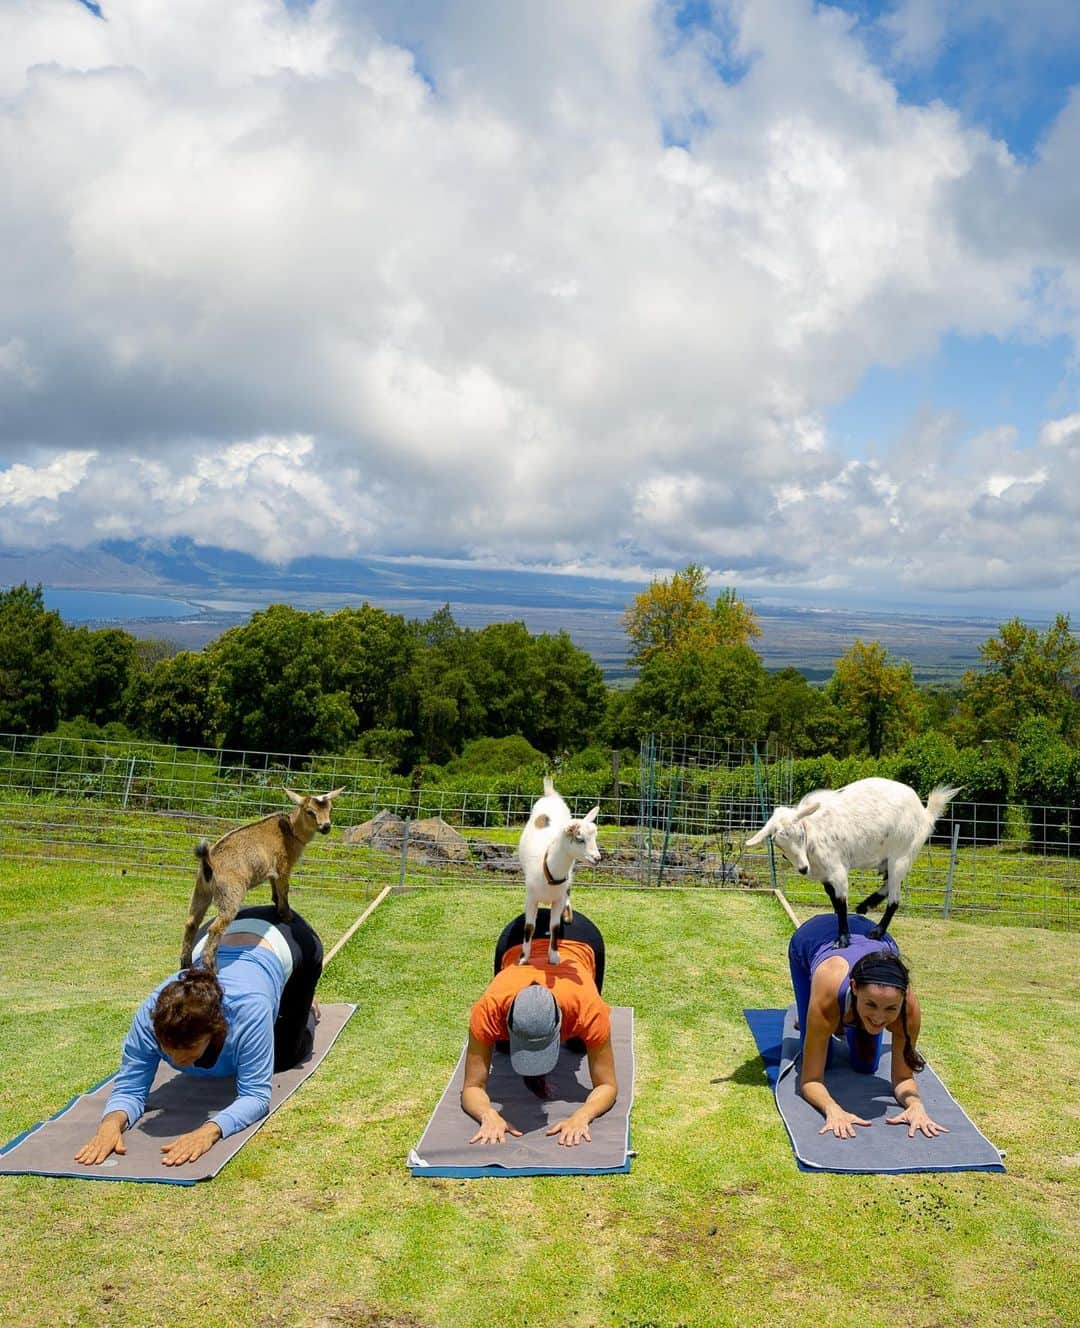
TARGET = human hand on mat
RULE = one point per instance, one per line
(842, 1123)
(188, 1147)
(915, 1118)
(109, 1139)
(572, 1130)
(493, 1130)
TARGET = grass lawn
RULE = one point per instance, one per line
(318, 1222)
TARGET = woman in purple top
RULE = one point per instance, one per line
(249, 1021)
(858, 991)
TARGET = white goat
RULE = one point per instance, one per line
(876, 823)
(551, 845)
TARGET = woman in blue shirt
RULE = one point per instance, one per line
(251, 1020)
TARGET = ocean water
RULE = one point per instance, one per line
(97, 606)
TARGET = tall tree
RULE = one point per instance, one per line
(1025, 673)
(712, 691)
(880, 697)
(281, 688)
(96, 673)
(802, 719)
(31, 649)
(178, 700)
(675, 615)
(734, 622)
(668, 616)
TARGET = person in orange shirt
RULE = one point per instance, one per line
(534, 1008)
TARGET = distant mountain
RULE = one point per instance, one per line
(217, 588)
(187, 566)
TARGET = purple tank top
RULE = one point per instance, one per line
(860, 945)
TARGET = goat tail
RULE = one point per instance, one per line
(938, 800)
(202, 852)
(549, 787)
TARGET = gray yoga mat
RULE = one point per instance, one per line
(879, 1147)
(177, 1103)
(444, 1148)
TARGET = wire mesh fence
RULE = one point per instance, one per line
(681, 818)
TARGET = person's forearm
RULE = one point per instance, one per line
(475, 1102)
(906, 1091)
(818, 1096)
(601, 1099)
(117, 1118)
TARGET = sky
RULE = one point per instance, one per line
(790, 290)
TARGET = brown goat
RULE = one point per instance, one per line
(265, 850)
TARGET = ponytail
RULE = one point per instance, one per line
(915, 1062)
(189, 1008)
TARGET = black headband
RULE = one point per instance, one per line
(883, 968)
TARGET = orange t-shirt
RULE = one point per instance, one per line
(585, 1013)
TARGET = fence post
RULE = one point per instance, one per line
(673, 793)
(952, 864)
(404, 851)
(127, 786)
(759, 780)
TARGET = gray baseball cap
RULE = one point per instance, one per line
(534, 1022)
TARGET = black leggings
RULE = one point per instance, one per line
(581, 929)
(294, 1030)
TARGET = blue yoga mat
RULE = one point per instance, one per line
(878, 1147)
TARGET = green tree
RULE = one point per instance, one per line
(573, 696)
(444, 708)
(97, 670)
(675, 615)
(734, 622)
(179, 701)
(370, 653)
(1025, 673)
(802, 719)
(281, 686)
(712, 691)
(31, 650)
(881, 698)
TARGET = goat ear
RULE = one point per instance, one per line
(298, 798)
(329, 797)
(806, 811)
(765, 831)
(591, 816)
(571, 829)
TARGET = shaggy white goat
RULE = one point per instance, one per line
(551, 845)
(877, 823)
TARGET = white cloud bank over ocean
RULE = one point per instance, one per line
(528, 283)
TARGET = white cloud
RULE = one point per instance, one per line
(1061, 433)
(438, 279)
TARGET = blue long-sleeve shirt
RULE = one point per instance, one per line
(252, 978)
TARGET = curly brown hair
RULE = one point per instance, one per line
(189, 1009)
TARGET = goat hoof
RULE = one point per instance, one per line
(842, 941)
(876, 933)
(554, 957)
(524, 959)
(862, 909)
